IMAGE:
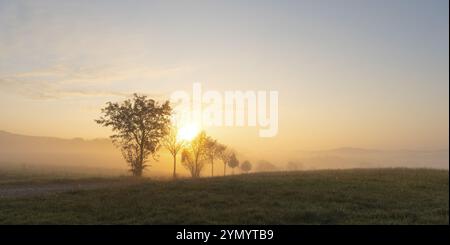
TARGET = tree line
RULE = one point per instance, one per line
(141, 127)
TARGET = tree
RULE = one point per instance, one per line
(173, 145)
(294, 166)
(194, 155)
(246, 167)
(265, 166)
(138, 124)
(213, 151)
(233, 162)
(225, 156)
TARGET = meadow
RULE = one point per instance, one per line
(355, 196)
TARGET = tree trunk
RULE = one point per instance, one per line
(174, 166)
(138, 173)
(224, 169)
(137, 169)
(141, 157)
(212, 168)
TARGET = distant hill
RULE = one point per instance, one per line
(57, 152)
(10, 142)
(352, 150)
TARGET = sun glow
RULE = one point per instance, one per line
(188, 131)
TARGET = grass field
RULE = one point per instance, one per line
(360, 196)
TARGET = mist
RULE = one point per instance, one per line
(99, 157)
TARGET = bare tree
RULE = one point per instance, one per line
(213, 151)
(233, 162)
(194, 155)
(138, 124)
(246, 166)
(173, 145)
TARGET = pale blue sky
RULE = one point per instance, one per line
(359, 73)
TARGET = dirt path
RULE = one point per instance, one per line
(29, 190)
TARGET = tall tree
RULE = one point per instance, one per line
(213, 151)
(174, 145)
(138, 125)
(194, 155)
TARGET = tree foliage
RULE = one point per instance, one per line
(214, 151)
(265, 166)
(225, 156)
(138, 124)
(246, 166)
(194, 155)
(233, 162)
(294, 166)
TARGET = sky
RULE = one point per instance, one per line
(369, 74)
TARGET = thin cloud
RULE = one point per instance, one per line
(59, 81)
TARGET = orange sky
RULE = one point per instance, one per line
(348, 74)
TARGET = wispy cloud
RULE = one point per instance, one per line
(63, 81)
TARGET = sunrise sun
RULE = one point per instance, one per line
(188, 132)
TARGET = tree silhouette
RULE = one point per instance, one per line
(138, 124)
(233, 162)
(246, 167)
(213, 151)
(194, 155)
(265, 166)
(225, 156)
(294, 166)
(173, 145)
